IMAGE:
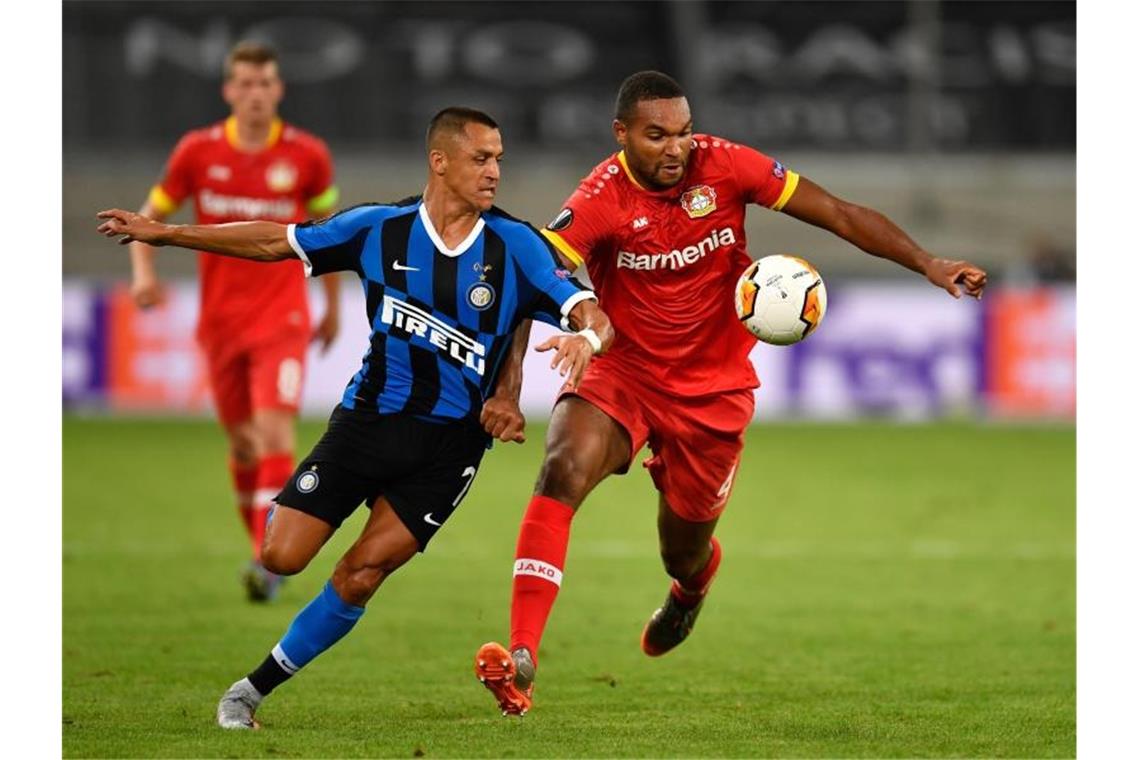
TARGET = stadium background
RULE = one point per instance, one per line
(956, 119)
(972, 152)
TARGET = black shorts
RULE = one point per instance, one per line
(423, 468)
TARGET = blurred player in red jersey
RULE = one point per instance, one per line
(660, 228)
(254, 325)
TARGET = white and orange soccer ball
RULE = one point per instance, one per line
(781, 299)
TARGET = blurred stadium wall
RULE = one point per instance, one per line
(957, 119)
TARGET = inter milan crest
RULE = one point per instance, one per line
(699, 201)
(481, 294)
(281, 177)
(308, 481)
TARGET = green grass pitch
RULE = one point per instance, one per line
(896, 591)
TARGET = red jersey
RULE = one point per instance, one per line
(289, 180)
(664, 263)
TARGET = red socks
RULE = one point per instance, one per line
(273, 472)
(695, 588)
(539, 558)
(255, 488)
(245, 482)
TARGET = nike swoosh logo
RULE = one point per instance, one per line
(429, 521)
(402, 268)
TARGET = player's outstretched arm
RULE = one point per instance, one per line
(879, 236)
(595, 334)
(501, 416)
(258, 241)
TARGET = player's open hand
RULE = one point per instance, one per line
(131, 226)
(503, 420)
(572, 354)
(949, 275)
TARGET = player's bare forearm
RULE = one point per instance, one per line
(863, 227)
(142, 259)
(328, 327)
(257, 241)
(873, 233)
(331, 284)
(501, 416)
(509, 383)
(146, 291)
(587, 315)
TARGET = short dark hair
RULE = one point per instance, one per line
(249, 51)
(644, 85)
(453, 119)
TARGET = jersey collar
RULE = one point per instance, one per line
(628, 173)
(231, 129)
(458, 250)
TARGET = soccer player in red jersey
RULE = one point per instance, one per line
(254, 325)
(659, 226)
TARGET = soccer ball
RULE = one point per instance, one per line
(780, 299)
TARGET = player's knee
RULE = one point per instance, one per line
(281, 560)
(563, 477)
(682, 563)
(274, 432)
(276, 440)
(243, 447)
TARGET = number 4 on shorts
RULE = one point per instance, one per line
(726, 487)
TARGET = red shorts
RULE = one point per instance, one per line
(266, 375)
(696, 442)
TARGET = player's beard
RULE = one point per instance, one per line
(663, 179)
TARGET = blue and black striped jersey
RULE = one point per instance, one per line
(442, 319)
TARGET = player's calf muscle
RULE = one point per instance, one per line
(360, 573)
(684, 562)
(357, 584)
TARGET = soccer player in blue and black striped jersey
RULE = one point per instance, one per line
(447, 279)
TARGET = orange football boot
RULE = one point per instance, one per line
(507, 675)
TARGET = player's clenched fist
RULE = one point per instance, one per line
(948, 275)
(503, 420)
